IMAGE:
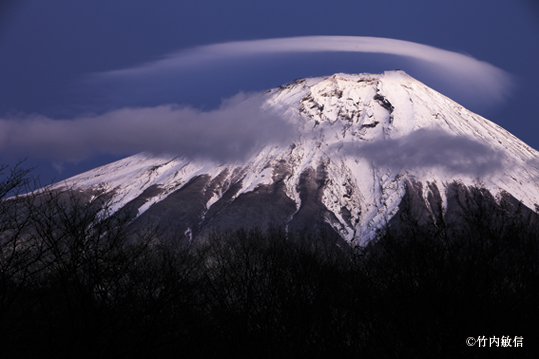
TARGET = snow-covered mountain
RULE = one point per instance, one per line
(363, 142)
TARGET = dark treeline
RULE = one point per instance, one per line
(76, 282)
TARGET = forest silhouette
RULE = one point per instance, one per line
(77, 281)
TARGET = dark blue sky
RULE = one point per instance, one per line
(51, 51)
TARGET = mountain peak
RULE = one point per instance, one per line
(385, 106)
(365, 142)
(358, 99)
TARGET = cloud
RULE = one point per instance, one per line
(471, 75)
(232, 132)
(237, 128)
(534, 164)
(426, 148)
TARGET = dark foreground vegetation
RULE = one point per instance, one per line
(77, 283)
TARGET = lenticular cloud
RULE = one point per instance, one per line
(492, 81)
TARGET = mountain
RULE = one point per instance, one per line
(368, 147)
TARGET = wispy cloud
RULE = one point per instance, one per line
(239, 127)
(454, 68)
(428, 148)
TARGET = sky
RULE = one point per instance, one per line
(84, 83)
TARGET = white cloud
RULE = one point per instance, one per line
(455, 68)
(239, 127)
(425, 148)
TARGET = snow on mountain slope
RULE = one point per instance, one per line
(360, 139)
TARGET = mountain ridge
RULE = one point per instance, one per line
(363, 141)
